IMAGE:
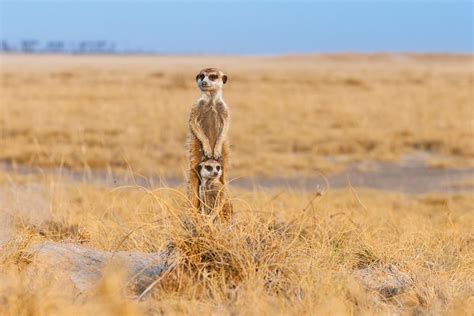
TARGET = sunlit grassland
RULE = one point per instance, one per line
(287, 251)
(284, 252)
(290, 115)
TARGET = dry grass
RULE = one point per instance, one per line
(284, 253)
(294, 115)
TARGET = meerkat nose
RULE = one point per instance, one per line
(204, 84)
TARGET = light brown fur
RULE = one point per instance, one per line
(209, 123)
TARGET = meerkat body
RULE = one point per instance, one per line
(213, 196)
(208, 124)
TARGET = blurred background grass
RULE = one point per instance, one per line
(291, 116)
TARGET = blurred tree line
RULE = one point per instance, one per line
(31, 46)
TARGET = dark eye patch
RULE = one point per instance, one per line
(209, 168)
(200, 77)
(212, 77)
(218, 168)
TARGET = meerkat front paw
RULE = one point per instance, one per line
(207, 152)
(205, 157)
(217, 157)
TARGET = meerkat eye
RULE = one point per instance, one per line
(212, 77)
(209, 168)
(218, 168)
(200, 77)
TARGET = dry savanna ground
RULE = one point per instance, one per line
(286, 251)
(290, 115)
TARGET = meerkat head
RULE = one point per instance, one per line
(211, 79)
(210, 169)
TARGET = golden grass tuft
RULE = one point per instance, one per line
(220, 257)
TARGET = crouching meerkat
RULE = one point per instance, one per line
(208, 126)
(213, 196)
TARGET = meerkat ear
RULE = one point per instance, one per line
(224, 79)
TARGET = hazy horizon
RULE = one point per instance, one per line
(245, 28)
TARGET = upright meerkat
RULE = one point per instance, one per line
(209, 123)
(212, 194)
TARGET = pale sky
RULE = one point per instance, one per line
(244, 27)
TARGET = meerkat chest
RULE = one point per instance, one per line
(211, 122)
(209, 192)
